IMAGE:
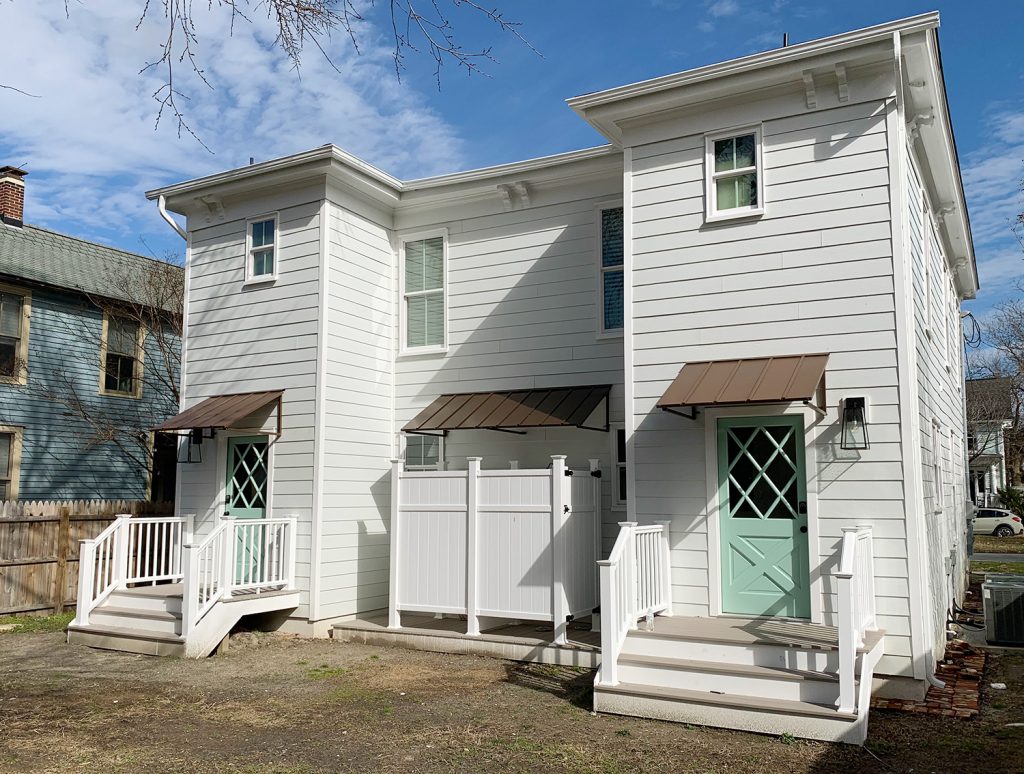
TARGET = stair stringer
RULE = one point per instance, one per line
(222, 617)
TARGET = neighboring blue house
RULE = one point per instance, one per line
(87, 366)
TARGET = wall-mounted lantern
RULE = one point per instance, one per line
(191, 451)
(854, 433)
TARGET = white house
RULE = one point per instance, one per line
(741, 313)
(989, 416)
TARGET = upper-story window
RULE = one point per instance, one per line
(121, 357)
(612, 251)
(734, 181)
(261, 253)
(13, 335)
(423, 293)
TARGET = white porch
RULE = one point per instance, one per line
(149, 585)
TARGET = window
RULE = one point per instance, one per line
(10, 458)
(733, 179)
(261, 261)
(619, 491)
(423, 451)
(424, 297)
(936, 466)
(14, 314)
(612, 250)
(926, 290)
(121, 357)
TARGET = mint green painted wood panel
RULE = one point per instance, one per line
(762, 491)
(245, 497)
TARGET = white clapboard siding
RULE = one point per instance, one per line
(357, 447)
(249, 339)
(815, 274)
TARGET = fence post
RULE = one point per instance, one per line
(559, 515)
(472, 543)
(86, 580)
(665, 575)
(595, 473)
(60, 580)
(121, 537)
(394, 615)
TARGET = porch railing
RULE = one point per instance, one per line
(131, 550)
(509, 544)
(635, 582)
(855, 581)
(240, 555)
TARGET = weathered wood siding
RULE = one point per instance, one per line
(357, 446)
(64, 456)
(939, 355)
(261, 337)
(523, 312)
(814, 274)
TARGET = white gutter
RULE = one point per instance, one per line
(162, 206)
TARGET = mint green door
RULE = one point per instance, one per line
(246, 498)
(762, 495)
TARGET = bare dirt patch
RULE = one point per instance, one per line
(273, 704)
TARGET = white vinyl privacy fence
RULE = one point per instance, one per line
(511, 544)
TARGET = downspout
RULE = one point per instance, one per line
(161, 204)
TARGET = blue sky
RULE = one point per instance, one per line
(89, 142)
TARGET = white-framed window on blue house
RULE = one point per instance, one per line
(423, 294)
(423, 452)
(612, 250)
(261, 250)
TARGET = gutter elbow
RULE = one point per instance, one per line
(162, 206)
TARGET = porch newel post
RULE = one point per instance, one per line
(291, 543)
(189, 588)
(394, 616)
(86, 580)
(665, 575)
(121, 537)
(190, 529)
(230, 560)
(559, 516)
(472, 544)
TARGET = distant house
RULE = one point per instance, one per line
(989, 418)
(82, 379)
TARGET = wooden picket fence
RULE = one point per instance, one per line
(39, 548)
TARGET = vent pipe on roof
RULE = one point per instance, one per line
(785, 39)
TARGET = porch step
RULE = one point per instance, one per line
(721, 679)
(737, 711)
(166, 598)
(148, 621)
(127, 640)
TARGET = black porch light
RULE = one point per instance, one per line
(854, 433)
(191, 451)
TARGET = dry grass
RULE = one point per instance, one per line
(990, 544)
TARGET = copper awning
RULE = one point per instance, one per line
(223, 411)
(747, 381)
(512, 411)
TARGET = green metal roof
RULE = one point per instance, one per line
(34, 254)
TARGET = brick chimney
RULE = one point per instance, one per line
(12, 195)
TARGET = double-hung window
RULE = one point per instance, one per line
(619, 491)
(10, 448)
(937, 468)
(423, 293)
(733, 177)
(423, 452)
(13, 336)
(612, 251)
(261, 250)
(121, 357)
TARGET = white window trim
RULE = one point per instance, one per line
(618, 503)
(404, 349)
(18, 433)
(937, 467)
(711, 212)
(926, 251)
(21, 377)
(602, 332)
(262, 279)
(140, 353)
(440, 455)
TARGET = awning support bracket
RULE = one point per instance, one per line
(692, 416)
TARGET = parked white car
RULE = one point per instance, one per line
(997, 521)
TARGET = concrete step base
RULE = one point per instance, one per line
(127, 640)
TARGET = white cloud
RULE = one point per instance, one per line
(724, 8)
(89, 140)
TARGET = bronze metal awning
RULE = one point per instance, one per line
(223, 411)
(748, 381)
(512, 411)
